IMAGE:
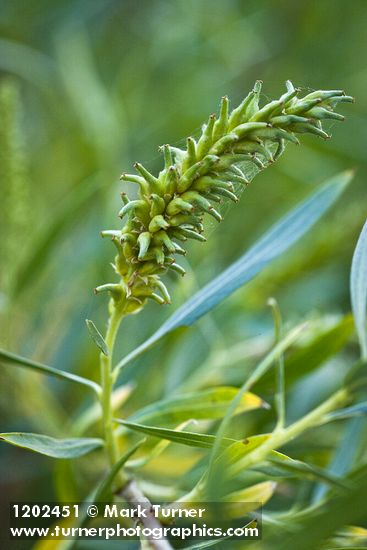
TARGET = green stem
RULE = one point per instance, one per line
(282, 436)
(107, 381)
(278, 438)
(279, 398)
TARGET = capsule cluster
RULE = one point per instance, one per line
(169, 209)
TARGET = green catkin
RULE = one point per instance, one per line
(170, 207)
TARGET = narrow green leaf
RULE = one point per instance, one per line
(192, 439)
(239, 449)
(358, 289)
(97, 337)
(345, 455)
(276, 241)
(360, 409)
(11, 358)
(234, 453)
(157, 450)
(301, 468)
(49, 446)
(279, 398)
(249, 499)
(312, 527)
(208, 404)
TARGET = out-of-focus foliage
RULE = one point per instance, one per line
(87, 88)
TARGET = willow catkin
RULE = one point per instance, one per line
(170, 207)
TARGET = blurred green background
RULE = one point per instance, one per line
(90, 86)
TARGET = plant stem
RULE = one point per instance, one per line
(282, 436)
(279, 398)
(127, 488)
(107, 381)
(132, 494)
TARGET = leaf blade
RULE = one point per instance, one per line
(358, 289)
(51, 447)
(97, 337)
(191, 439)
(12, 358)
(208, 404)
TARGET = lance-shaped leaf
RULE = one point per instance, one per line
(276, 241)
(11, 358)
(191, 439)
(49, 446)
(208, 404)
(358, 289)
(302, 469)
(247, 500)
(97, 337)
(359, 409)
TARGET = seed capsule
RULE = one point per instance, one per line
(221, 125)
(168, 160)
(178, 205)
(271, 109)
(189, 234)
(303, 105)
(163, 289)
(253, 105)
(224, 143)
(157, 298)
(157, 223)
(190, 158)
(199, 169)
(144, 240)
(239, 114)
(206, 140)
(171, 181)
(176, 267)
(131, 206)
(249, 127)
(311, 129)
(158, 205)
(225, 193)
(143, 184)
(325, 94)
(287, 120)
(182, 219)
(153, 182)
(322, 113)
